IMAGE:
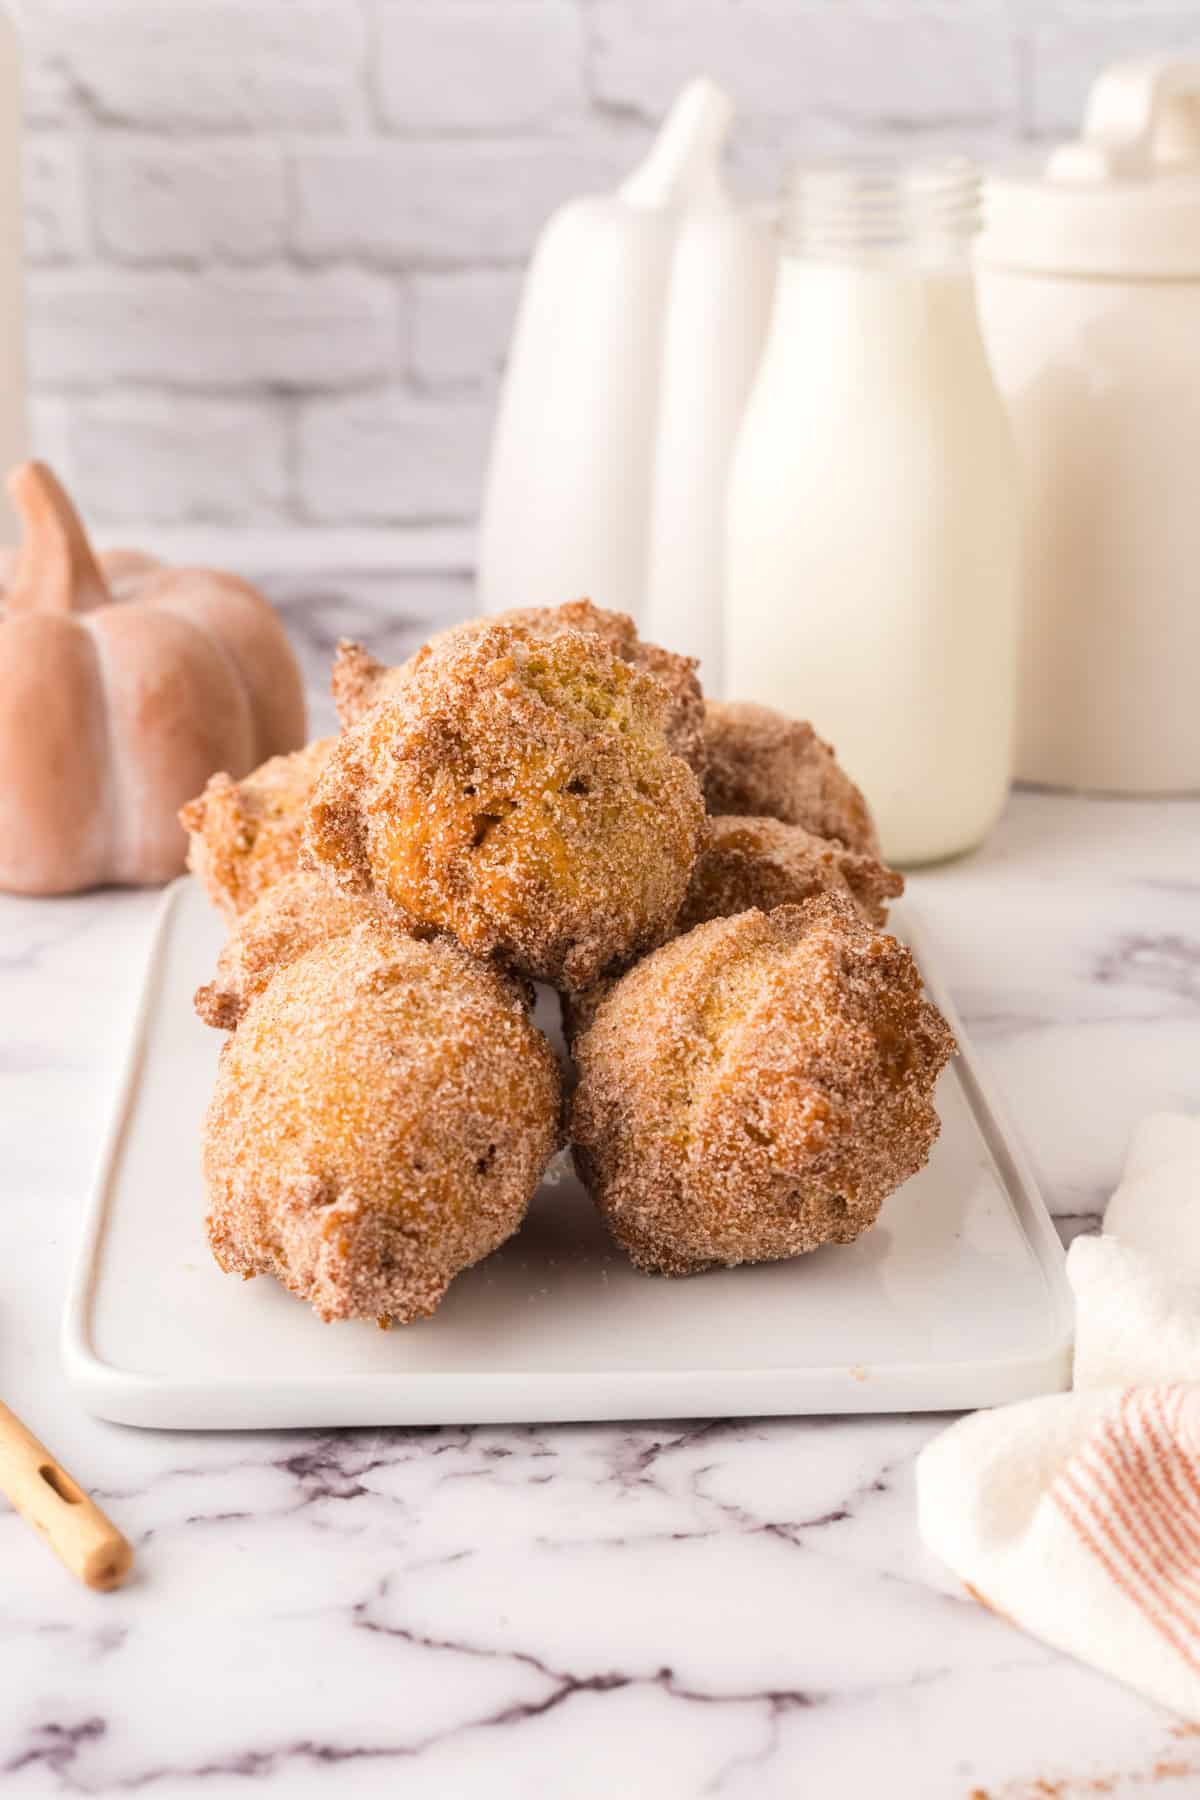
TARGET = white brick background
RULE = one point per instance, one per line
(275, 245)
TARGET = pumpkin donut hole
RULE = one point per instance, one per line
(360, 681)
(521, 795)
(763, 764)
(756, 1088)
(381, 1120)
(245, 836)
(751, 862)
(294, 915)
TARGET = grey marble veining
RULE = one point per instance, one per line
(734, 1608)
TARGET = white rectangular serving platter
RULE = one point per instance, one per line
(956, 1299)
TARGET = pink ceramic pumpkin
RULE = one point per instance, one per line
(123, 686)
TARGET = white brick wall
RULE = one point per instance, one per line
(203, 202)
(257, 329)
(897, 65)
(275, 245)
(476, 66)
(144, 449)
(205, 65)
(456, 200)
(461, 324)
(391, 455)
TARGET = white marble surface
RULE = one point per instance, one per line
(731, 1608)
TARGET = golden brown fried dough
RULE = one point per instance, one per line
(757, 1088)
(296, 914)
(764, 863)
(382, 1117)
(764, 764)
(360, 682)
(245, 835)
(520, 795)
(761, 863)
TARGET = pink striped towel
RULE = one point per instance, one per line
(1078, 1516)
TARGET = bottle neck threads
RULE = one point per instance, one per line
(875, 210)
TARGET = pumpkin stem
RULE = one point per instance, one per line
(56, 570)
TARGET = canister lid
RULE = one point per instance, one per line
(1122, 200)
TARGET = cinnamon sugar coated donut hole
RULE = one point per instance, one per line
(757, 1088)
(294, 915)
(360, 681)
(760, 863)
(521, 795)
(245, 835)
(381, 1119)
(752, 862)
(762, 763)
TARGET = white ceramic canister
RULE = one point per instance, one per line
(14, 424)
(1089, 284)
(873, 513)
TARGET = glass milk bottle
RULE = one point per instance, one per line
(873, 518)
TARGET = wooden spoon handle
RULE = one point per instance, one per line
(47, 1498)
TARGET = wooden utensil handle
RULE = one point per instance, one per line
(49, 1500)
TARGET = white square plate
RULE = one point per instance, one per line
(957, 1298)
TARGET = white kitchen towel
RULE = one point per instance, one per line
(1078, 1516)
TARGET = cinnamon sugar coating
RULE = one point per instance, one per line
(762, 763)
(245, 835)
(761, 863)
(764, 863)
(360, 681)
(757, 1088)
(296, 914)
(381, 1119)
(521, 795)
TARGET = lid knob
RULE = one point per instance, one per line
(1141, 113)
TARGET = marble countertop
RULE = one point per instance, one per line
(723, 1608)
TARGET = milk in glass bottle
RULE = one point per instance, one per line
(873, 515)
